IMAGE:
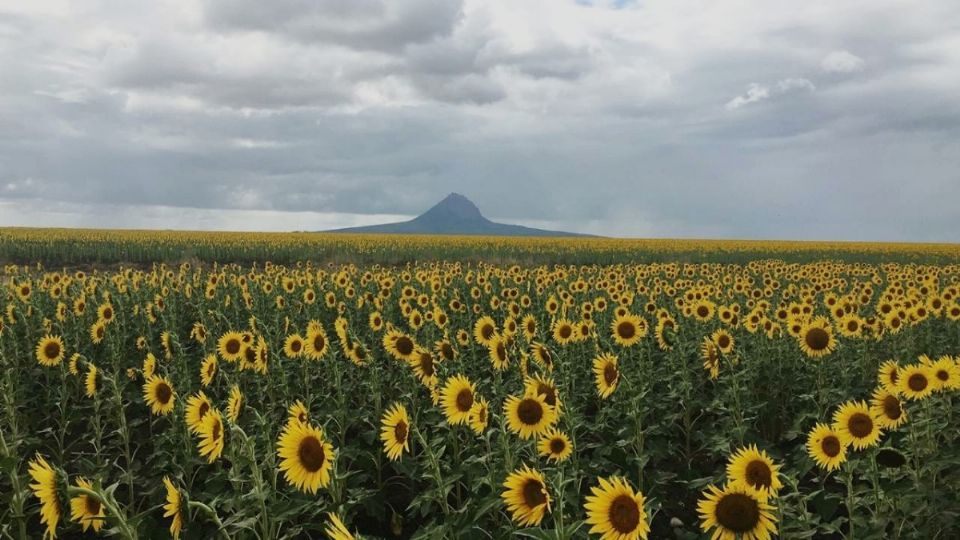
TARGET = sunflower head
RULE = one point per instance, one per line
(856, 425)
(529, 415)
(616, 511)
(555, 445)
(754, 469)
(526, 497)
(735, 512)
(305, 457)
(395, 431)
(457, 398)
(826, 448)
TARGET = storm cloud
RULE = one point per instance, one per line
(744, 119)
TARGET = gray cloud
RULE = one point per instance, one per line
(611, 118)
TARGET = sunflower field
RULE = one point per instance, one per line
(783, 396)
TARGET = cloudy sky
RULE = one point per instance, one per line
(833, 119)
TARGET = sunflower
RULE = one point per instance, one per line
(915, 382)
(628, 329)
(445, 350)
(73, 365)
(316, 343)
(45, 489)
(723, 340)
(484, 330)
(208, 368)
(90, 384)
(826, 447)
(305, 457)
(850, 325)
(606, 374)
(159, 394)
(298, 412)
(479, 415)
(395, 431)
(529, 325)
(198, 405)
(526, 497)
(498, 353)
(888, 375)
(887, 409)
(234, 403)
(555, 445)
(399, 345)
(149, 367)
(199, 332)
(98, 331)
(105, 313)
(293, 346)
(755, 470)
(856, 426)
(50, 351)
(541, 355)
(710, 354)
(457, 399)
(735, 512)
(704, 310)
(563, 332)
(424, 367)
(946, 374)
(230, 346)
(86, 510)
(375, 321)
(816, 338)
(211, 436)
(616, 511)
(547, 387)
(173, 509)
(529, 415)
(336, 530)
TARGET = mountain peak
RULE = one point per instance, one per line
(454, 206)
(455, 214)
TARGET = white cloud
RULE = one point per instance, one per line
(756, 92)
(842, 62)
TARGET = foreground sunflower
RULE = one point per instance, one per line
(914, 382)
(399, 345)
(45, 489)
(234, 403)
(548, 387)
(50, 351)
(479, 415)
(856, 426)
(198, 405)
(87, 510)
(208, 368)
(946, 374)
(335, 529)
(173, 509)
(211, 436)
(616, 511)
(159, 395)
(526, 496)
(710, 354)
(230, 346)
(90, 383)
(888, 375)
(555, 445)
(754, 469)
(457, 398)
(887, 409)
(606, 374)
(395, 431)
(529, 415)
(816, 338)
(628, 330)
(298, 412)
(734, 512)
(305, 457)
(293, 346)
(826, 448)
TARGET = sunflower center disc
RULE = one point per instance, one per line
(92, 505)
(52, 350)
(318, 342)
(530, 412)
(917, 382)
(202, 410)
(533, 494)
(723, 342)
(610, 373)
(738, 512)
(233, 346)
(216, 431)
(626, 330)
(817, 339)
(624, 514)
(891, 407)
(464, 400)
(400, 431)
(943, 375)
(549, 393)
(426, 364)
(311, 454)
(830, 446)
(759, 474)
(557, 446)
(860, 425)
(164, 393)
(404, 346)
(295, 346)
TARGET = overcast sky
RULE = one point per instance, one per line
(835, 119)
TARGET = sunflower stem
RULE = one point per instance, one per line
(212, 514)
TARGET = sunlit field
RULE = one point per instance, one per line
(227, 385)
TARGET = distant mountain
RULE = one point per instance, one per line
(455, 214)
